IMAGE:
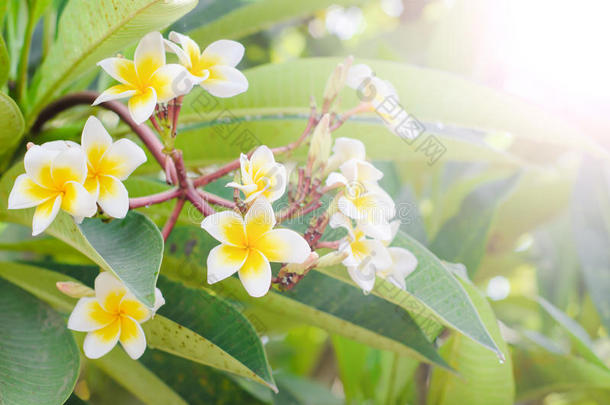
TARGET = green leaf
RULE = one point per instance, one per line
(11, 124)
(579, 337)
(539, 372)
(463, 238)
(217, 335)
(131, 248)
(197, 384)
(39, 360)
(482, 378)
(432, 294)
(591, 230)
(4, 58)
(318, 300)
(89, 31)
(135, 377)
(251, 17)
(300, 391)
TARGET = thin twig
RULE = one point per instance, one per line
(154, 198)
(171, 221)
(216, 200)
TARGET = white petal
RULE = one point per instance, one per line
(360, 171)
(228, 52)
(77, 201)
(404, 262)
(113, 197)
(26, 193)
(394, 227)
(183, 57)
(223, 261)
(335, 178)
(149, 55)
(109, 291)
(95, 139)
(348, 208)
(225, 81)
(379, 229)
(69, 165)
(338, 219)
(261, 159)
(364, 277)
(379, 254)
(284, 246)
(37, 162)
(245, 169)
(44, 214)
(159, 300)
(190, 48)
(255, 274)
(141, 106)
(101, 341)
(170, 81)
(88, 316)
(350, 148)
(357, 74)
(259, 219)
(132, 338)
(120, 69)
(122, 158)
(227, 227)
(114, 93)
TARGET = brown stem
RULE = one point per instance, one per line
(214, 199)
(154, 198)
(208, 178)
(171, 221)
(176, 112)
(329, 245)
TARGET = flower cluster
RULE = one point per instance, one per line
(149, 80)
(76, 178)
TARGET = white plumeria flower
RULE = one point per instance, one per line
(53, 179)
(108, 165)
(113, 315)
(147, 80)
(373, 89)
(402, 262)
(364, 255)
(345, 149)
(261, 176)
(362, 198)
(214, 67)
(249, 244)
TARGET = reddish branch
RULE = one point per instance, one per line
(154, 198)
(171, 221)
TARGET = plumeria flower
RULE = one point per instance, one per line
(53, 179)
(364, 255)
(147, 80)
(372, 89)
(108, 165)
(248, 244)
(345, 149)
(261, 176)
(362, 199)
(113, 315)
(214, 67)
(402, 261)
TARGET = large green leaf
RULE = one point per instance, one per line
(463, 238)
(482, 379)
(39, 360)
(318, 300)
(249, 17)
(131, 248)
(135, 377)
(432, 293)
(11, 124)
(223, 338)
(591, 229)
(539, 372)
(89, 31)
(579, 337)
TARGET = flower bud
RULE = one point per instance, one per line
(299, 268)
(321, 142)
(74, 290)
(336, 81)
(332, 259)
